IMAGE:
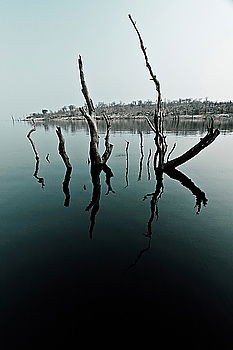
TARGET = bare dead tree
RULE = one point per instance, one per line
(66, 160)
(98, 162)
(168, 166)
(157, 125)
(89, 115)
(158, 128)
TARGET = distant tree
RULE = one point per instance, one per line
(44, 111)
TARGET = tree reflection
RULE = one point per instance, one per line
(39, 179)
(185, 181)
(66, 160)
(94, 204)
(65, 187)
(141, 157)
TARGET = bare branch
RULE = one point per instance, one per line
(151, 125)
(192, 152)
(85, 92)
(152, 74)
(61, 149)
(108, 145)
(169, 154)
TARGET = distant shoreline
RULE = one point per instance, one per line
(127, 117)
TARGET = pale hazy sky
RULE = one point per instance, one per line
(189, 42)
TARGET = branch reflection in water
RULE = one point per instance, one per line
(155, 196)
(141, 158)
(148, 165)
(127, 164)
(65, 158)
(187, 182)
(65, 187)
(37, 164)
(94, 204)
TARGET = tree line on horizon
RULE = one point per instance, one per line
(175, 108)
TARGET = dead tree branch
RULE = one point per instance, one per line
(192, 152)
(160, 141)
(158, 128)
(108, 145)
(85, 92)
(61, 149)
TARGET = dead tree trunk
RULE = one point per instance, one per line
(89, 115)
(157, 125)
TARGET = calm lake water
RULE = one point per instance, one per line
(55, 274)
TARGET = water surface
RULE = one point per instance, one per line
(55, 273)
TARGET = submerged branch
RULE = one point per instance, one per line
(192, 152)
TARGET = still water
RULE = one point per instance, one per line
(56, 272)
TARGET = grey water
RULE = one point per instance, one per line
(56, 272)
